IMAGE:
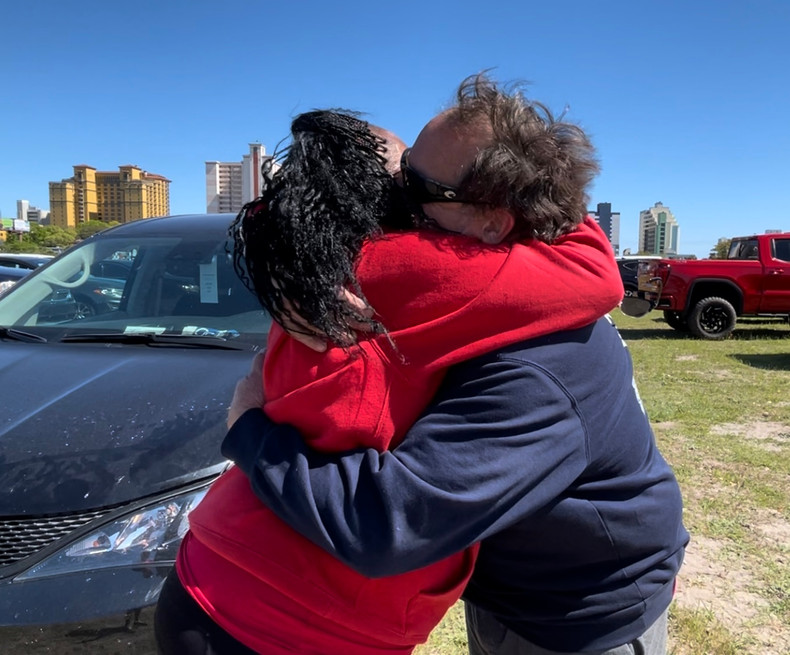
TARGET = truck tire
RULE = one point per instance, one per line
(712, 318)
(676, 321)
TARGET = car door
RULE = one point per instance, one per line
(776, 282)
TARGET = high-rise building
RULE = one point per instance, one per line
(127, 194)
(658, 231)
(609, 222)
(27, 212)
(22, 207)
(230, 185)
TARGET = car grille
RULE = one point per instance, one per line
(22, 537)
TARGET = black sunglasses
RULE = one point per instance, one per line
(421, 189)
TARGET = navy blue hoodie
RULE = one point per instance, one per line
(543, 452)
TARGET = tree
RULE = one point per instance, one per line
(86, 229)
(44, 238)
(18, 243)
(721, 249)
(51, 236)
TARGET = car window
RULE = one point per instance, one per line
(172, 285)
(12, 263)
(782, 249)
(27, 262)
(744, 249)
(118, 269)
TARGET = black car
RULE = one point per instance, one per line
(29, 261)
(629, 272)
(12, 273)
(101, 292)
(111, 425)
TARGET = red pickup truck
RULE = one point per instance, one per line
(706, 296)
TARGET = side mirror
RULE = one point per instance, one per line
(636, 307)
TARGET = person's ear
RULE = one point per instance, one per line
(498, 225)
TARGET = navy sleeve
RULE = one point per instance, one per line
(500, 441)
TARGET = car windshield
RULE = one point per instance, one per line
(157, 286)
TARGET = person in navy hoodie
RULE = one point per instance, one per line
(542, 451)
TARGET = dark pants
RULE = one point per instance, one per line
(487, 636)
(183, 628)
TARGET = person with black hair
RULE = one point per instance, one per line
(540, 451)
(332, 217)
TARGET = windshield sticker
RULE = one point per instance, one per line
(143, 329)
(208, 282)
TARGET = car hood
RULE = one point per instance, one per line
(85, 427)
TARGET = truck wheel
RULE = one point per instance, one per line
(712, 318)
(676, 321)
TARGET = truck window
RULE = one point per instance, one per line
(744, 249)
(781, 249)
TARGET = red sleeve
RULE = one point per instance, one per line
(449, 299)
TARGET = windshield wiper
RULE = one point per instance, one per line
(20, 335)
(154, 340)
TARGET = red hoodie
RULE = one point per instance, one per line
(444, 299)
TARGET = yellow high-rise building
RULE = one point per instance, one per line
(123, 195)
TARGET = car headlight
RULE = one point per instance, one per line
(145, 537)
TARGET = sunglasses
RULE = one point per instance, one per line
(421, 189)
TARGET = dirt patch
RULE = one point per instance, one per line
(719, 582)
(773, 435)
(709, 581)
(727, 581)
(663, 426)
(755, 430)
(775, 529)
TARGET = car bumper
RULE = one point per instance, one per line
(77, 614)
(128, 634)
(661, 302)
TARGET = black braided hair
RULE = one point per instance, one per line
(301, 239)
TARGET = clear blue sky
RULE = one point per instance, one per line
(687, 101)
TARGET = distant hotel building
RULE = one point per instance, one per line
(230, 185)
(658, 231)
(609, 222)
(124, 195)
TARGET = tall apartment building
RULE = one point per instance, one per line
(658, 231)
(230, 185)
(127, 194)
(609, 222)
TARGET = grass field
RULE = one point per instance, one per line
(721, 414)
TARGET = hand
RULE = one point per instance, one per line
(298, 329)
(309, 336)
(248, 392)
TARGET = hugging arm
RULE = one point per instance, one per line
(499, 441)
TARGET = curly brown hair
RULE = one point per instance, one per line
(536, 166)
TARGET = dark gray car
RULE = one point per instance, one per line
(30, 261)
(110, 427)
(12, 273)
